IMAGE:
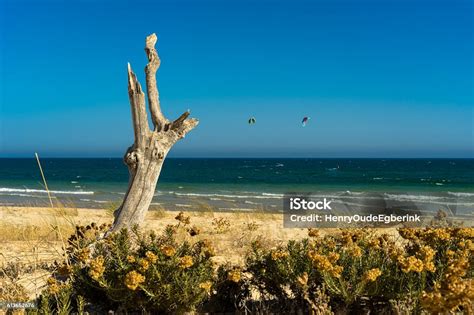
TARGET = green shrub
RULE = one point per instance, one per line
(130, 272)
(356, 271)
(363, 270)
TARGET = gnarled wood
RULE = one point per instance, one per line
(145, 157)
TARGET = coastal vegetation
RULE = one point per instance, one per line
(177, 269)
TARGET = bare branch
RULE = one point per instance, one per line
(186, 126)
(137, 104)
(180, 119)
(152, 90)
(189, 124)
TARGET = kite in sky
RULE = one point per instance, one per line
(305, 120)
(252, 121)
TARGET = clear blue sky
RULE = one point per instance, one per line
(378, 78)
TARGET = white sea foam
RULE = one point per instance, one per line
(236, 209)
(23, 195)
(96, 201)
(273, 195)
(251, 203)
(204, 195)
(41, 191)
(183, 205)
(405, 197)
(461, 194)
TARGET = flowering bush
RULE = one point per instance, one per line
(363, 269)
(418, 271)
(449, 253)
(131, 272)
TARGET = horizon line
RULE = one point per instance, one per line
(242, 157)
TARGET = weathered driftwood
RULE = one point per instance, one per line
(145, 157)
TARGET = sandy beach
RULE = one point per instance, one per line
(32, 237)
(22, 229)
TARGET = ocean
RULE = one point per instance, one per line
(245, 184)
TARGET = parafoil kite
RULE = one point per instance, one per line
(305, 120)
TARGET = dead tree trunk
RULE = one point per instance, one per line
(145, 157)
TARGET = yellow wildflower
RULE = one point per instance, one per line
(374, 243)
(454, 292)
(450, 253)
(84, 254)
(144, 264)
(321, 262)
(328, 242)
(53, 286)
(168, 250)
(206, 286)
(467, 233)
(324, 264)
(131, 259)
(394, 252)
(279, 254)
(467, 245)
(411, 264)
(437, 234)
(97, 268)
(428, 255)
(152, 258)
(372, 275)
(355, 251)
(333, 257)
(234, 275)
(133, 279)
(185, 262)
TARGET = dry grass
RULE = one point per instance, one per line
(33, 237)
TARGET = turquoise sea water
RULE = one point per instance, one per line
(246, 184)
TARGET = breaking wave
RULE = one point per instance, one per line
(7, 191)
